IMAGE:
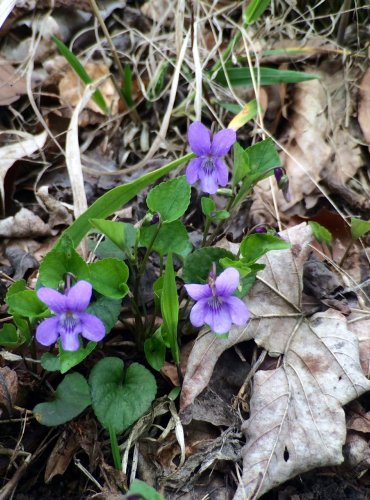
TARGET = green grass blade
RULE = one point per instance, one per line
(117, 197)
(255, 10)
(97, 96)
(127, 85)
(170, 308)
(267, 76)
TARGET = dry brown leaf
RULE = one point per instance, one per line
(320, 146)
(61, 455)
(10, 153)
(296, 418)
(8, 388)
(364, 106)
(357, 453)
(71, 88)
(12, 85)
(24, 224)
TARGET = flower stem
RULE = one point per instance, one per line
(220, 224)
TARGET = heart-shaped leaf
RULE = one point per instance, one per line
(120, 396)
(72, 396)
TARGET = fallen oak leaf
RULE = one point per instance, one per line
(296, 418)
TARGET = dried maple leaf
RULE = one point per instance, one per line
(296, 418)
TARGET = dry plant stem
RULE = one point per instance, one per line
(133, 113)
(252, 371)
(343, 23)
(345, 255)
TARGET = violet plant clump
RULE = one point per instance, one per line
(70, 320)
(208, 167)
(215, 304)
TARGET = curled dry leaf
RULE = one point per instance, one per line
(296, 418)
(24, 224)
(10, 153)
(8, 388)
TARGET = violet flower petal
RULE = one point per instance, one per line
(227, 282)
(199, 312)
(47, 331)
(70, 340)
(54, 300)
(208, 182)
(92, 327)
(199, 138)
(238, 310)
(222, 172)
(222, 142)
(198, 292)
(79, 296)
(218, 319)
(193, 169)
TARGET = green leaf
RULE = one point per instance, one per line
(241, 164)
(108, 310)
(239, 77)
(172, 237)
(170, 199)
(138, 487)
(170, 308)
(60, 260)
(127, 85)
(16, 287)
(221, 215)
(255, 10)
(243, 268)
(105, 249)
(24, 329)
(122, 234)
(114, 199)
(258, 163)
(50, 362)
(27, 304)
(254, 246)
(9, 336)
(97, 96)
(69, 359)
(155, 350)
(198, 264)
(359, 227)
(320, 232)
(120, 396)
(157, 290)
(208, 205)
(71, 398)
(109, 277)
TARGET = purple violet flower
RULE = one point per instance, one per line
(208, 167)
(70, 319)
(215, 304)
